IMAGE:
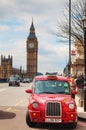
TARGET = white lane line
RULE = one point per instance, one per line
(3, 89)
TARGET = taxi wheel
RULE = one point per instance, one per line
(28, 121)
(73, 125)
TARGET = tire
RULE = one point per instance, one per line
(73, 125)
(9, 85)
(28, 121)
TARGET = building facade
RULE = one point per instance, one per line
(6, 68)
(32, 53)
(77, 67)
(77, 60)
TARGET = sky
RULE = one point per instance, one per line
(15, 21)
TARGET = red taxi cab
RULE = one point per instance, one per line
(51, 102)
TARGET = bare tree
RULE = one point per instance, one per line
(77, 9)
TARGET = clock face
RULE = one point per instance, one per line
(31, 45)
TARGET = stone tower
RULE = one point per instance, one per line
(32, 52)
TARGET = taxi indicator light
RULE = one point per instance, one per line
(34, 114)
(71, 115)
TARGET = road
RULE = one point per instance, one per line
(13, 107)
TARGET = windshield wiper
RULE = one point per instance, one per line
(61, 92)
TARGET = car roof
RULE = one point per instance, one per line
(52, 77)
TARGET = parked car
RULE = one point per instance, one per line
(51, 102)
(14, 81)
(26, 80)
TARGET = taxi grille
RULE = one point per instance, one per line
(53, 109)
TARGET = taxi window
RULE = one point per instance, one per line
(52, 86)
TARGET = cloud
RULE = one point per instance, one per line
(18, 51)
(52, 57)
(4, 28)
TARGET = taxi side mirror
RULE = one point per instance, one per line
(74, 92)
(28, 91)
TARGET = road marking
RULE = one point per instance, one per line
(12, 109)
(17, 104)
(9, 108)
(3, 89)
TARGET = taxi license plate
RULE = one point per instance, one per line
(54, 120)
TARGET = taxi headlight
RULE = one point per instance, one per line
(71, 106)
(35, 104)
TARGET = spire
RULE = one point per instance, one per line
(32, 31)
(32, 26)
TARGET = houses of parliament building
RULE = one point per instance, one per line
(6, 67)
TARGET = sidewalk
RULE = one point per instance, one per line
(80, 110)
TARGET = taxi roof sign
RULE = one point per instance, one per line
(52, 77)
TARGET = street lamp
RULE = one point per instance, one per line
(84, 28)
(69, 65)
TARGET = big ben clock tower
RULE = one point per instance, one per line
(32, 53)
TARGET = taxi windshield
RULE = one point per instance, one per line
(51, 87)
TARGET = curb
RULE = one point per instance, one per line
(82, 116)
(81, 119)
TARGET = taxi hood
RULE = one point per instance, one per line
(42, 98)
